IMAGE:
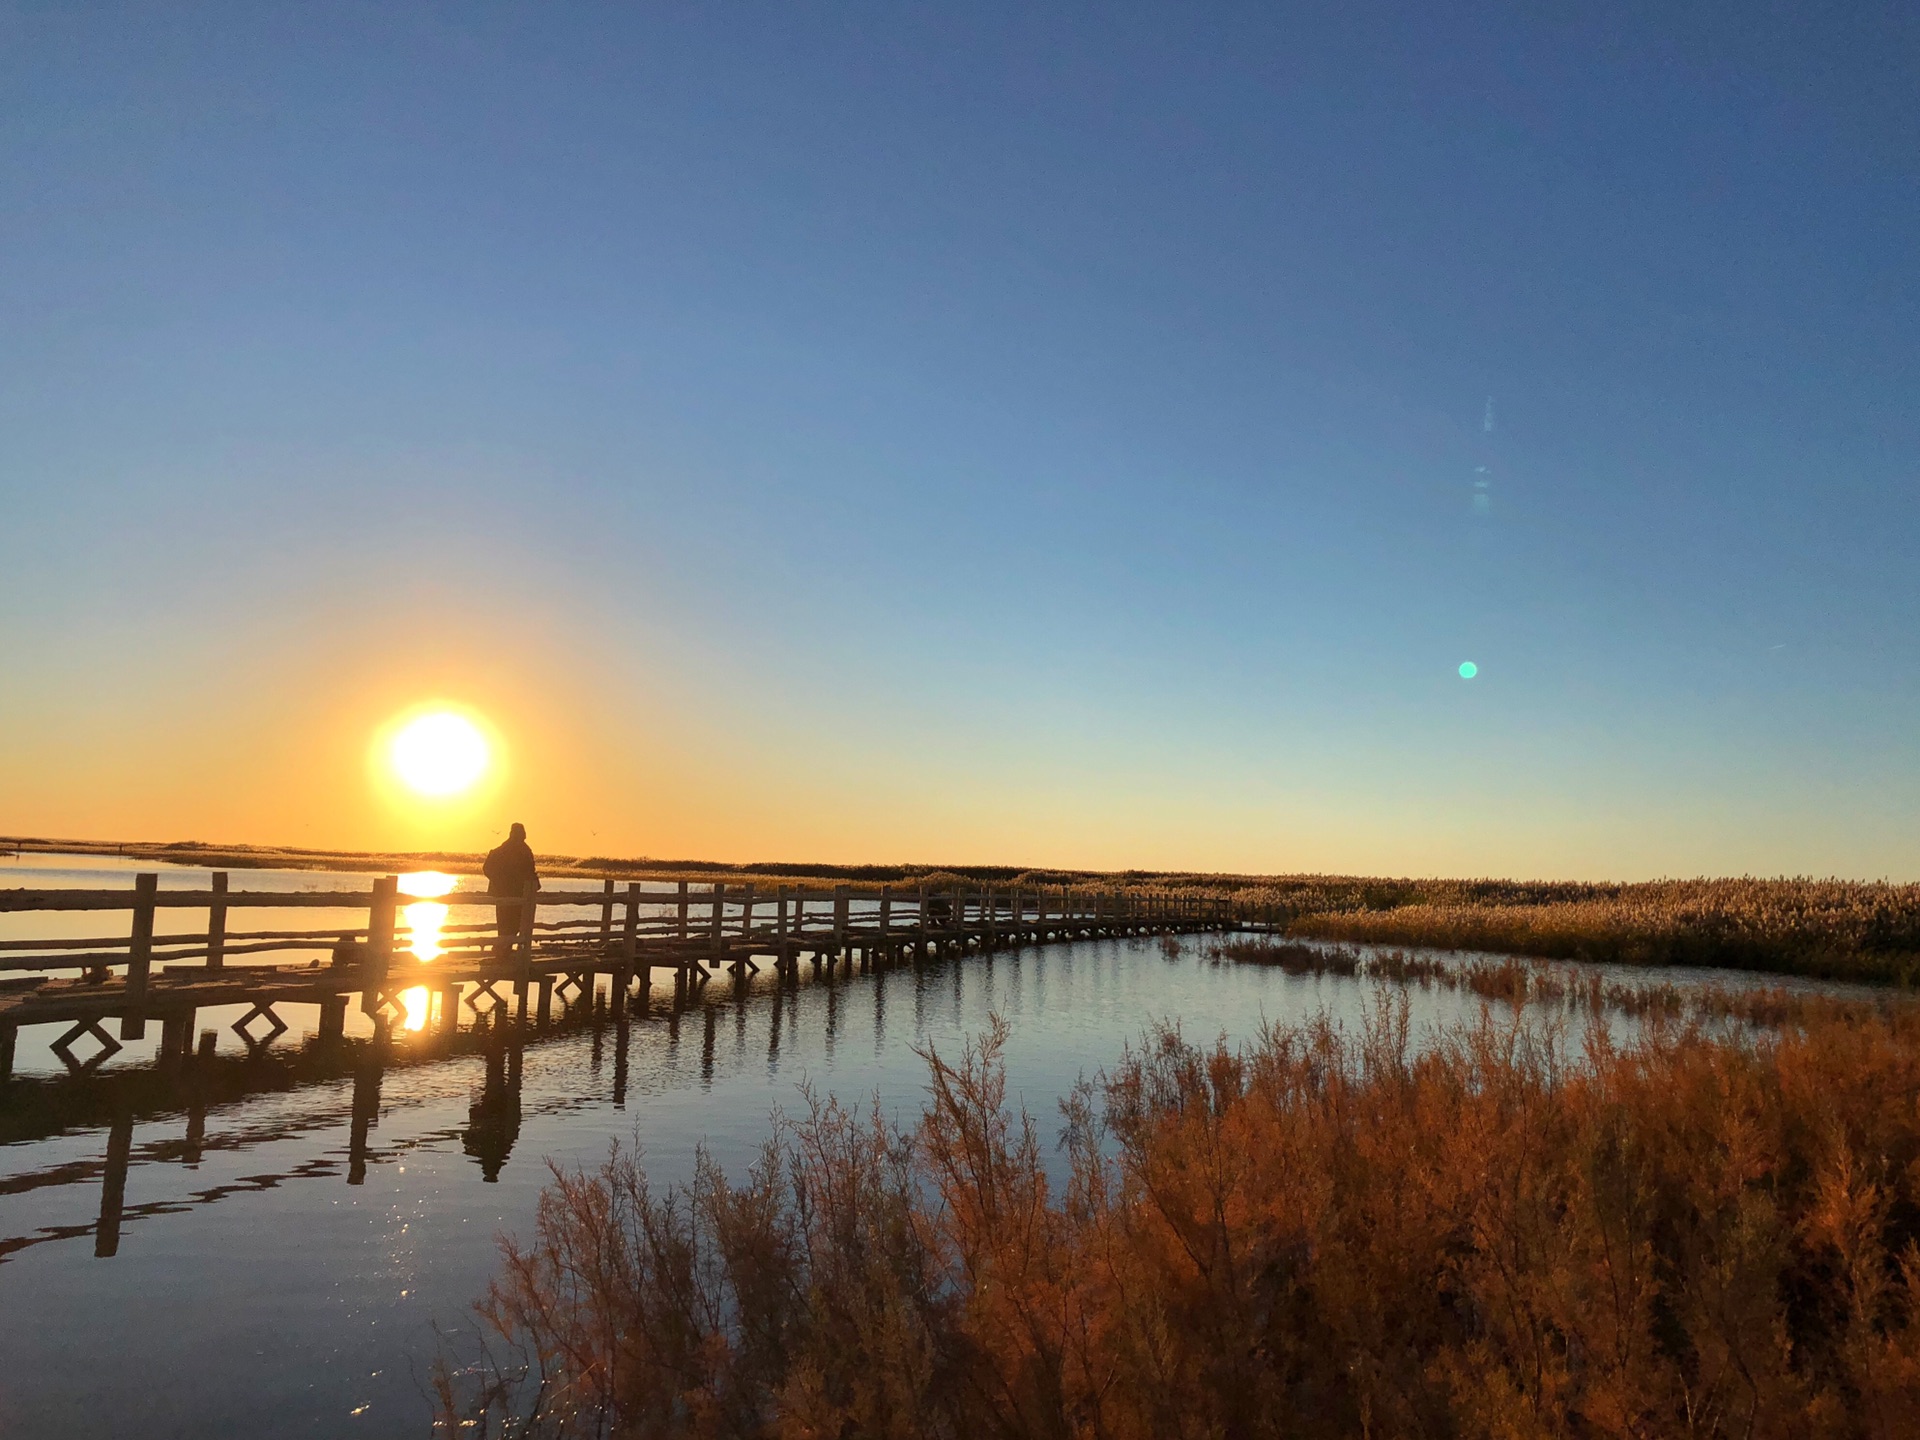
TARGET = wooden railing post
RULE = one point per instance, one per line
(139, 955)
(839, 919)
(217, 923)
(886, 913)
(683, 910)
(717, 938)
(529, 904)
(780, 923)
(746, 921)
(380, 922)
(606, 916)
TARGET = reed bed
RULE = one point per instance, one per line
(1837, 929)
(1506, 1234)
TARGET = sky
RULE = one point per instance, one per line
(1051, 435)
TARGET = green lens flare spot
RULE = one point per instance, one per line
(1468, 669)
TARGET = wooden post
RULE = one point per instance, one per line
(683, 910)
(386, 891)
(606, 916)
(746, 921)
(139, 955)
(839, 919)
(529, 903)
(717, 938)
(333, 1018)
(217, 923)
(630, 937)
(9, 1033)
(886, 914)
(176, 1038)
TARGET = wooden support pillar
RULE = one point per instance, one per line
(606, 916)
(333, 1018)
(543, 1005)
(683, 910)
(717, 937)
(9, 1035)
(839, 919)
(780, 927)
(217, 923)
(176, 1038)
(133, 1025)
(886, 918)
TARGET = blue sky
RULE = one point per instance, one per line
(966, 433)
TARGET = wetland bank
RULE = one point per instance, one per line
(329, 1223)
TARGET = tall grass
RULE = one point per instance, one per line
(1839, 929)
(1504, 1235)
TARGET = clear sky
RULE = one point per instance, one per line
(1045, 434)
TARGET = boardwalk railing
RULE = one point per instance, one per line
(535, 942)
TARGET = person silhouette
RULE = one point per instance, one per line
(510, 871)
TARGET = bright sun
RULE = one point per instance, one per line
(439, 753)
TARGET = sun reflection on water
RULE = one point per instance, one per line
(416, 1003)
(425, 917)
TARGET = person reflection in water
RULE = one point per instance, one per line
(510, 871)
(493, 1117)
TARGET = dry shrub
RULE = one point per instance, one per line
(1289, 955)
(1320, 1235)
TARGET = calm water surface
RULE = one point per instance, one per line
(283, 1270)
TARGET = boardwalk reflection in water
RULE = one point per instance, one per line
(187, 1088)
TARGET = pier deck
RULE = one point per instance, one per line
(512, 961)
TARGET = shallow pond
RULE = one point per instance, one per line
(300, 1233)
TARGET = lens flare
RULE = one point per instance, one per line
(439, 754)
(1468, 669)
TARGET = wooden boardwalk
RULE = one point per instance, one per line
(509, 961)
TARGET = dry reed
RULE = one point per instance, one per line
(1502, 1235)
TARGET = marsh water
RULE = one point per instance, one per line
(300, 1233)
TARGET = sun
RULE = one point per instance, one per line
(440, 753)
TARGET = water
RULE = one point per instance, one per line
(276, 1276)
